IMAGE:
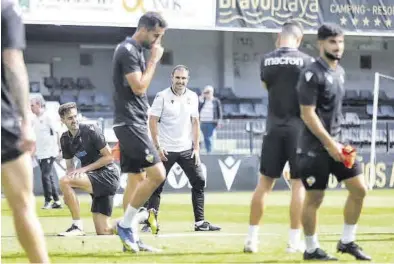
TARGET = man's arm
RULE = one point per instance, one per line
(220, 110)
(307, 88)
(138, 81)
(17, 79)
(154, 116)
(154, 131)
(15, 72)
(312, 121)
(106, 159)
(70, 166)
(196, 132)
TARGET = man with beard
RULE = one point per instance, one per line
(175, 129)
(139, 158)
(321, 90)
(97, 175)
(279, 73)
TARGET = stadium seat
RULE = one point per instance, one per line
(67, 83)
(85, 99)
(231, 110)
(383, 96)
(366, 95)
(84, 83)
(103, 100)
(351, 96)
(261, 110)
(247, 110)
(387, 111)
(52, 84)
(66, 98)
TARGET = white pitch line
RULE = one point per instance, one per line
(211, 234)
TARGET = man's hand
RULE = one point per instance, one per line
(157, 51)
(162, 153)
(28, 138)
(76, 174)
(196, 155)
(335, 151)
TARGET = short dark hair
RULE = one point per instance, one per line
(292, 24)
(179, 67)
(150, 20)
(328, 30)
(65, 108)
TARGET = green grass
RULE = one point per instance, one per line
(230, 211)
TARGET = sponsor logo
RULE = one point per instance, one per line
(229, 170)
(284, 61)
(177, 178)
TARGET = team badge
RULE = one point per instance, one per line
(149, 158)
(310, 180)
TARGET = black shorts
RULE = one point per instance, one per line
(136, 149)
(10, 136)
(104, 182)
(315, 168)
(279, 146)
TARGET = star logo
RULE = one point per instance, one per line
(366, 21)
(388, 22)
(355, 21)
(343, 21)
(377, 22)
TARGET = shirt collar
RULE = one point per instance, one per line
(325, 64)
(77, 135)
(134, 42)
(177, 94)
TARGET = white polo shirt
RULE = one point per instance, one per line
(45, 129)
(175, 113)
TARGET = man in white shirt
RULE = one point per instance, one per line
(47, 150)
(175, 129)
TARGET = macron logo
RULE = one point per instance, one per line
(284, 61)
(229, 170)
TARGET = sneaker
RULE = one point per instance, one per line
(300, 247)
(56, 205)
(251, 246)
(206, 226)
(146, 229)
(318, 254)
(152, 221)
(352, 249)
(47, 206)
(127, 238)
(147, 248)
(72, 231)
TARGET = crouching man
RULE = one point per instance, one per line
(97, 175)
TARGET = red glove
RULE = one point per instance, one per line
(116, 152)
(349, 154)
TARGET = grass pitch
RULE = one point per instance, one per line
(181, 244)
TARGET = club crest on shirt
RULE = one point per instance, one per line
(308, 76)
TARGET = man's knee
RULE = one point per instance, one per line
(314, 198)
(198, 182)
(359, 193)
(64, 182)
(157, 173)
(265, 184)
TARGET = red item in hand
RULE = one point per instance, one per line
(116, 152)
(350, 156)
